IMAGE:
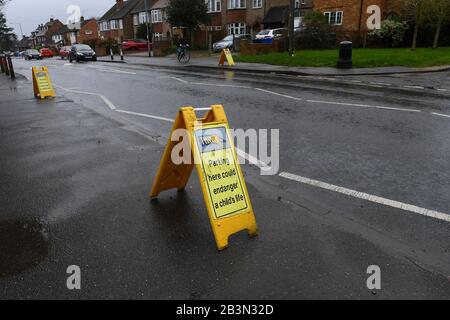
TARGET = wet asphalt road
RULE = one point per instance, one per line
(88, 180)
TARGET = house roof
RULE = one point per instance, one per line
(160, 4)
(73, 27)
(84, 22)
(140, 6)
(62, 30)
(115, 13)
(276, 15)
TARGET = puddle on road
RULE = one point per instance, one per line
(23, 245)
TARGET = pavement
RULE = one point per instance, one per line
(212, 64)
(363, 180)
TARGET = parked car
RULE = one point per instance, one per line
(31, 54)
(46, 53)
(136, 44)
(82, 52)
(64, 52)
(269, 34)
(227, 42)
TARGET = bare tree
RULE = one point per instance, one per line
(437, 13)
(414, 9)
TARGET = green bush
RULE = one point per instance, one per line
(392, 32)
(316, 33)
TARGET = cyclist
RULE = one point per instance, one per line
(182, 44)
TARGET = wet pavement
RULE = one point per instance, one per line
(76, 175)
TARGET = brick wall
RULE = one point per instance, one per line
(354, 12)
(51, 30)
(88, 31)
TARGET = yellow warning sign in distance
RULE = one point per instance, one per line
(221, 179)
(226, 55)
(42, 84)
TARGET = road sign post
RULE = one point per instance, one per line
(214, 156)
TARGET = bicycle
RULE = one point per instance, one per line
(183, 54)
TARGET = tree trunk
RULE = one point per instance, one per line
(436, 35)
(416, 31)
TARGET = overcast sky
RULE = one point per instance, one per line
(30, 13)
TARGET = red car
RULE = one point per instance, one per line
(134, 45)
(64, 52)
(46, 53)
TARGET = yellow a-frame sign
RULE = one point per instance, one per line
(42, 84)
(223, 185)
(226, 55)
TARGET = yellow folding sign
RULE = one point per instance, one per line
(42, 84)
(223, 185)
(226, 55)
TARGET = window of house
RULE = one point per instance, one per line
(113, 24)
(88, 32)
(135, 19)
(299, 2)
(157, 36)
(156, 16)
(257, 3)
(334, 18)
(236, 4)
(237, 28)
(121, 24)
(143, 17)
(214, 28)
(105, 26)
(214, 5)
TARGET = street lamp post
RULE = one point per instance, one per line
(20, 26)
(147, 18)
(291, 27)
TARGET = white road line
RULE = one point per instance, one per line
(367, 197)
(208, 84)
(362, 105)
(145, 115)
(414, 87)
(105, 99)
(290, 176)
(111, 70)
(443, 90)
(278, 94)
(300, 99)
(381, 83)
(441, 114)
(178, 79)
(108, 103)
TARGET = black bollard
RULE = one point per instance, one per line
(345, 55)
(2, 64)
(11, 68)
(121, 53)
(112, 54)
(5, 63)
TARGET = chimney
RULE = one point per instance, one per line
(119, 4)
(51, 19)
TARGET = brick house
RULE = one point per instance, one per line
(349, 17)
(88, 30)
(250, 16)
(117, 23)
(61, 36)
(42, 36)
(156, 15)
